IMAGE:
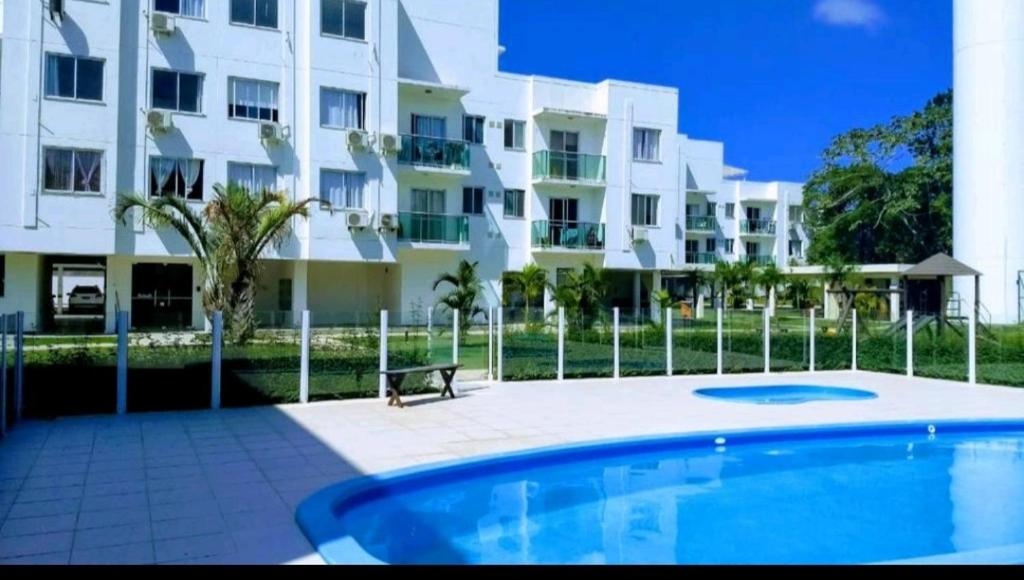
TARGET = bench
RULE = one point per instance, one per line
(396, 377)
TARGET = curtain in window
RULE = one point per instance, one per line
(60, 76)
(264, 178)
(52, 75)
(58, 169)
(162, 169)
(87, 171)
(190, 170)
(192, 8)
(266, 99)
(354, 183)
(427, 201)
(341, 109)
(332, 188)
(645, 144)
(429, 127)
(246, 94)
(240, 175)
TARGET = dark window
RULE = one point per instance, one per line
(72, 170)
(515, 134)
(473, 200)
(174, 91)
(262, 13)
(251, 99)
(192, 8)
(712, 208)
(730, 246)
(514, 203)
(74, 77)
(710, 246)
(473, 129)
(176, 177)
(730, 210)
(3, 273)
(343, 18)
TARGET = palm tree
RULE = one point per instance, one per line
(466, 289)
(531, 283)
(769, 279)
(725, 278)
(582, 293)
(839, 275)
(228, 236)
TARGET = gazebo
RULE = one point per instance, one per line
(928, 286)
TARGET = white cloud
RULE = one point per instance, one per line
(856, 13)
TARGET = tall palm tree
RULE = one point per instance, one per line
(466, 290)
(531, 283)
(228, 236)
(582, 293)
(769, 279)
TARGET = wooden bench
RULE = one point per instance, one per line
(396, 377)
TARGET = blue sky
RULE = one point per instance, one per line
(775, 80)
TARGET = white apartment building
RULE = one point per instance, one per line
(393, 113)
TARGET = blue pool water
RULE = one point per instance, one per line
(784, 394)
(854, 494)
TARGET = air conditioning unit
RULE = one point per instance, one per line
(390, 144)
(357, 219)
(159, 121)
(358, 141)
(640, 235)
(388, 222)
(272, 132)
(162, 24)
(57, 11)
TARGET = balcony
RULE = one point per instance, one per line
(706, 224)
(433, 229)
(433, 155)
(577, 236)
(760, 260)
(757, 227)
(561, 168)
(701, 258)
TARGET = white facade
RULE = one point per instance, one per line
(428, 59)
(988, 146)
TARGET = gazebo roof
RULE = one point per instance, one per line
(941, 265)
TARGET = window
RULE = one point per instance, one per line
(473, 200)
(3, 277)
(72, 170)
(176, 177)
(515, 203)
(192, 8)
(796, 248)
(249, 99)
(74, 77)
(730, 210)
(177, 91)
(261, 13)
(435, 127)
(473, 129)
(646, 144)
(428, 201)
(730, 246)
(565, 141)
(795, 213)
(345, 18)
(342, 109)
(284, 294)
(710, 245)
(645, 210)
(254, 178)
(753, 249)
(712, 208)
(342, 189)
(515, 135)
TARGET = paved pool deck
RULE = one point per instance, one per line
(222, 486)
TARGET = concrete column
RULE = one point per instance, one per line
(699, 311)
(638, 289)
(199, 320)
(300, 290)
(895, 300)
(655, 286)
(122, 363)
(216, 359)
(549, 296)
(119, 290)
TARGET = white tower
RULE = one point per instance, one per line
(988, 176)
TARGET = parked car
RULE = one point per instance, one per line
(85, 298)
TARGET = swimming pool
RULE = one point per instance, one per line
(784, 394)
(849, 494)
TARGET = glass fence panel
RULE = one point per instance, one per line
(940, 348)
(344, 356)
(790, 340)
(743, 341)
(169, 370)
(589, 346)
(1001, 354)
(265, 370)
(833, 343)
(65, 375)
(473, 347)
(881, 342)
(642, 344)
(530, 345)
(694, 341)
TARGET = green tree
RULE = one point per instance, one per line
(228, 236)
(531, 283)
(884, 194)
(769, 278)
(840, 277)
(582, 293)
(466, 290)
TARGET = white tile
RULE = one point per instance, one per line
(139, 553)
(194, 547)
(112, 536)
(185, 527)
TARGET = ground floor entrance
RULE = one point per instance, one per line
(161, 297)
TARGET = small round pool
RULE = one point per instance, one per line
(784, 394)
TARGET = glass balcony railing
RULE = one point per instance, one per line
(760, 260)
(571, 235)
(433, 152)
(701, 258)
(432, 228)
(758, 227)
(701, 224)
(563, 166)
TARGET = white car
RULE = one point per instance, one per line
(85, 298)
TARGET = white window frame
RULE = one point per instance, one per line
(252, 167)
(649, 212)
(518, 204)
(513, 124)
(177, 160)
(478, 130)
(199, 96)
(326, 201)
(362, 108)
(178, 14)
(261, 85)
(344, 20)
(640, 150)
(276, 26)
(730, 211)
(77, 59)
(74, 151)
(730, 246)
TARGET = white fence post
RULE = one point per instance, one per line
(910, 343)
(668, 341)
(304, 359)
(216, 356)
(561, 343)
(615, 339)
(3, 375)
(813, 357)
(490, 345)
(972, 346)
(19, 365)
(455, 337)
(382, 383)
(122, 362)
(501, 344)
(767, 343)
(853, 366)
(721, 361)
